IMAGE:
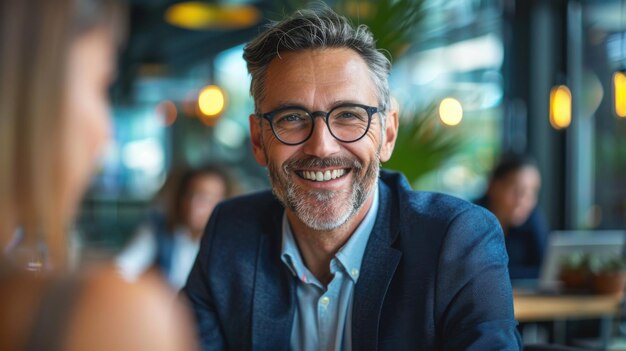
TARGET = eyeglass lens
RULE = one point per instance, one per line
(346, 123)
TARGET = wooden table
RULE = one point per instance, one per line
(536, 307)
(560, 308)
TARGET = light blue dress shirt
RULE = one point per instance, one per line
(323, 317)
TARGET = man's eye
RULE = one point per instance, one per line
(290, 118)
(350, 116)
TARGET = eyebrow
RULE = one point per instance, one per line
(287, 104)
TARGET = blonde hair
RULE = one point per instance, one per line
(35, 37)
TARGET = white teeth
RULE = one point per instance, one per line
(319, 176)
(327, 175)
(323, 176)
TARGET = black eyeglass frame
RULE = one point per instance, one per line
(269, 116)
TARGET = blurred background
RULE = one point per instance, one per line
(474, 79)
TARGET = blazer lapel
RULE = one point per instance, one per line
(379, 265)
(274, 294)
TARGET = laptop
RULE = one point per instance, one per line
(565, 242)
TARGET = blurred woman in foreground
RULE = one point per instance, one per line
(56, 62)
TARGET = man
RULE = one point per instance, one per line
(338, 258)
(511, 196)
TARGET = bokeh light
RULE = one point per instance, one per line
(211, 101)
(619, 93)
(450, 111)
(200, 15)
(560, 107)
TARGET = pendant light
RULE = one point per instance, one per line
(619, 76)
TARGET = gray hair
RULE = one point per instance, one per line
(315, 29)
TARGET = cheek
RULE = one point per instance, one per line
(372, 141)
(527, 205)
(276, 152)
(94, 109)
(88, 130)
(91, 118)
(366, 150)
(507, 200)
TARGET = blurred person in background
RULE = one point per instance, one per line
(512, 197)
(56, 63)
(170, 238)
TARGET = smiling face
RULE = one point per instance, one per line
(322, 182)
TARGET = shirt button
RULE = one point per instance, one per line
(324, 301)
(354, 273)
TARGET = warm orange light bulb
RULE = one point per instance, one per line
(619, 93)
(201, 15)
(560, 107)
(211, 101)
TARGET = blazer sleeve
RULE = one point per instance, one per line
(474, 302)
(198, 292)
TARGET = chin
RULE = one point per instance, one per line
(325, 224)
(519, 221)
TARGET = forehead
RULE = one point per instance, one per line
(526, 175)
(207, 178)
(318, 78)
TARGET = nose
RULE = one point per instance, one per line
(321, 143)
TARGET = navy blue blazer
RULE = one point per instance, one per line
(434, 277)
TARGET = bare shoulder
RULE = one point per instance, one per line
(115, 314)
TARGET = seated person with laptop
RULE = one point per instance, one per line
(512, 196)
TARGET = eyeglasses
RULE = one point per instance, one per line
(293, 125)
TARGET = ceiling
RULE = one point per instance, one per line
(157, 47)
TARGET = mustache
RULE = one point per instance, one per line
(317, 162)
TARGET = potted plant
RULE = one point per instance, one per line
(609, 275)
(593, 272)
(574, 271)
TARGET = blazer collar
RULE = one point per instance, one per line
(379, 265)
(273, 303)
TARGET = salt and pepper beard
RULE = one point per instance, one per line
(315, 208)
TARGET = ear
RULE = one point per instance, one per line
(256, 137)
(391, 131)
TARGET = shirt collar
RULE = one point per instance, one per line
(350, 255)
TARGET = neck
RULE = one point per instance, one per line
(318, 247)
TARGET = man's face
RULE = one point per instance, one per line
(515, 196)
(319, 80)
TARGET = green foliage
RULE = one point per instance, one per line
(594, 264)
(394, 23)
(575, 261)
(423, 144)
